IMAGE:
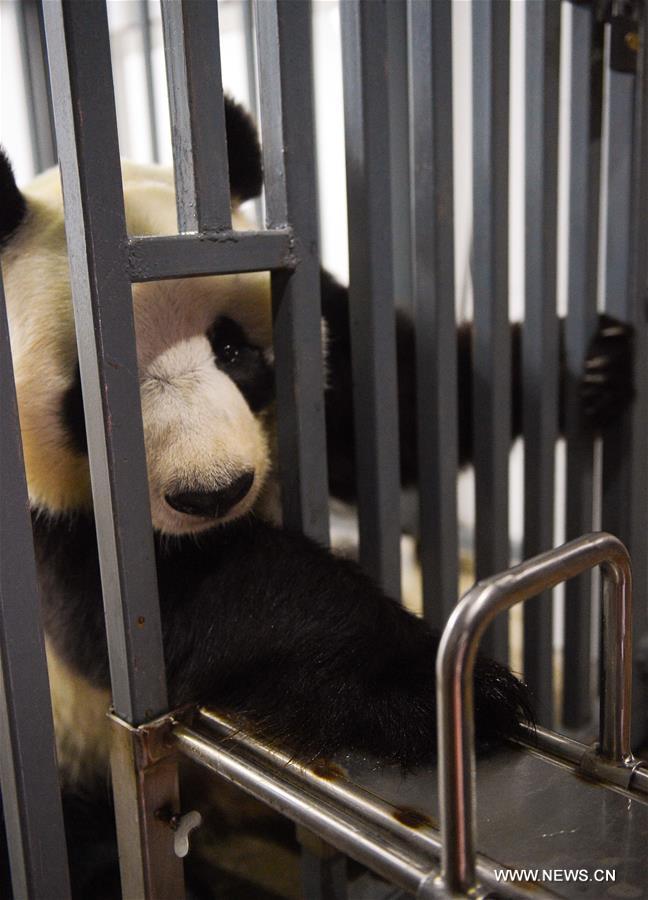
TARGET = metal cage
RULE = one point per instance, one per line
(397, 56)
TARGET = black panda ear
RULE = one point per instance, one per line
(12, 202)
(243, 152)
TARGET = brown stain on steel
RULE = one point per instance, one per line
(326, 770)
(412, 818)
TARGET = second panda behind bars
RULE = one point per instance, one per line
(300, 646)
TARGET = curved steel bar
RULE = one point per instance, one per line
(455, 663)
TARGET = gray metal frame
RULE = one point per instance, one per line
(491, 329)
(36, 77)
(581, 321)
(371, 288)
(430, 36)
(540, 360)
(287, 123)
(197, 113)
(31, 801)
(625, 476)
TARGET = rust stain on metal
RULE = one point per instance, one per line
(412, 818)
(329, 771)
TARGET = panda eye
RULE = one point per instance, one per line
(228, 341)
(229, 353)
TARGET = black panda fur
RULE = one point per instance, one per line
(300, 645)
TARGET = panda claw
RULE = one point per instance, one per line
(607, 381)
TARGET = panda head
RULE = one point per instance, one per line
(204, 354)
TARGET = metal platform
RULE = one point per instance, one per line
(534, 812)
(554, 817)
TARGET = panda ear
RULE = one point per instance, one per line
(243, 153)
(12, 203)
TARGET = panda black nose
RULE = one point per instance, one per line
(212, 504)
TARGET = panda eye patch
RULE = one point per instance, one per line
(228, 341)
(242, 361)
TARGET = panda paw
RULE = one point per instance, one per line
(502, 703)
(607, 384)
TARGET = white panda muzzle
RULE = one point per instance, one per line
(212, 504)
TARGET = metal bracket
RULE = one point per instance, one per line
(153, 741)
(600, 769)
(145, 785)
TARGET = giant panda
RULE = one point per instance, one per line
(299, 645)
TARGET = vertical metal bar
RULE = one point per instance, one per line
(399, 147)
(625, 287)
(540, 358)
(252, 80)
(147, 52)
(197, 111)
(28, 772)
(430, 34)
(582, 263)
(80, 70)
(371, 298)
(34, 60)
(284, 45)
(323, 868)
(285, 68)
(491, 328)
(96, 228)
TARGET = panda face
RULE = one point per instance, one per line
(205, 361)
(205, 367)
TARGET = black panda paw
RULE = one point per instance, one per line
(607, 384)
(502, 703)
(401, 726)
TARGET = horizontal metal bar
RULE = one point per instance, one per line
(222, 253)
(455, 667)
(352, 819)
(279, 791)
(28, 772)
(565, 749)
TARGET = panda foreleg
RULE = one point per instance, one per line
(606, 385)
(270, 626)
(308, 650)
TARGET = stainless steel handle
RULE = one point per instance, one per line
(455, 663)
